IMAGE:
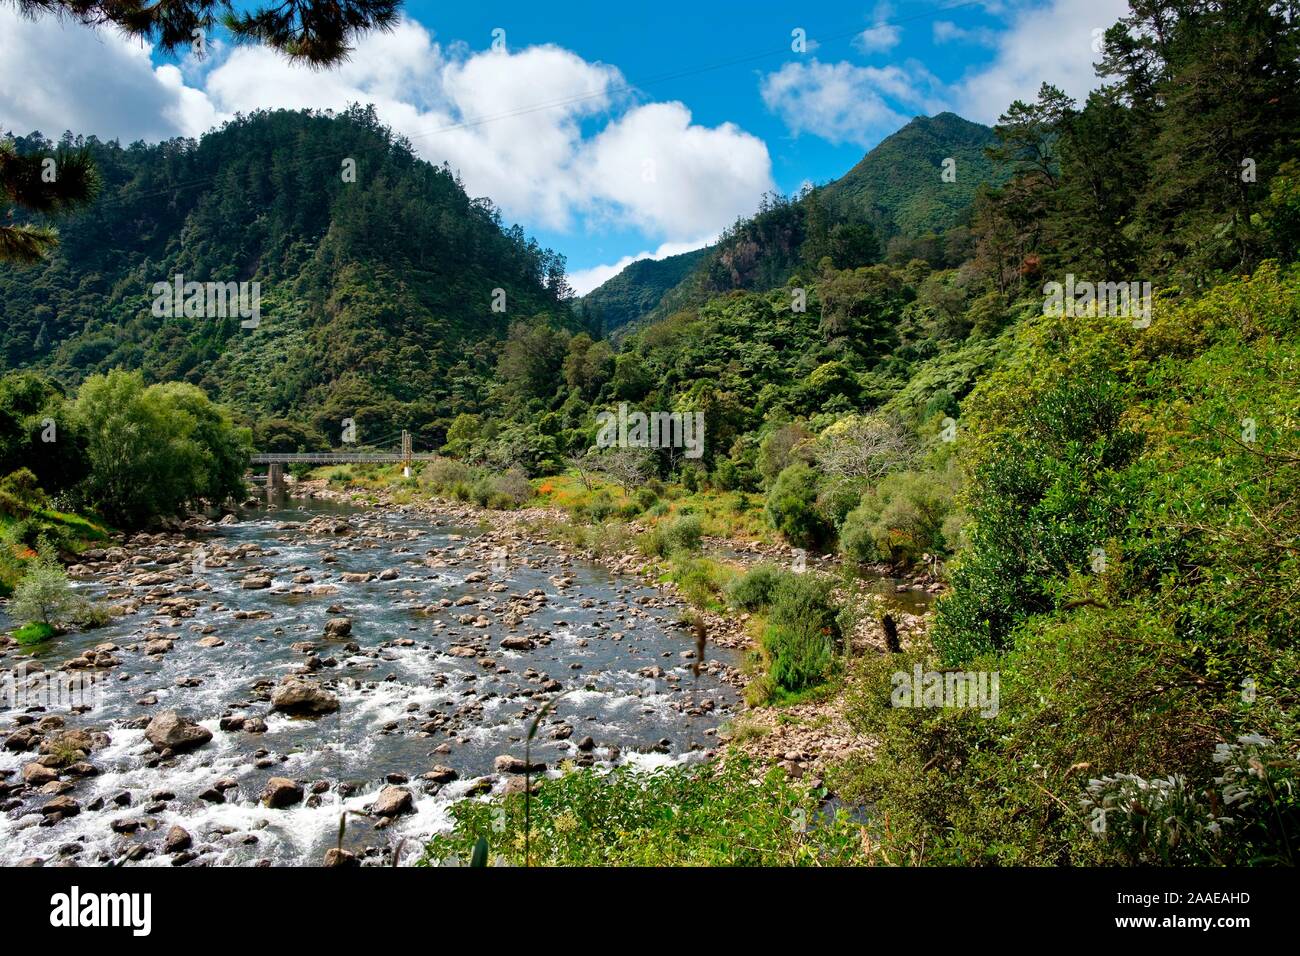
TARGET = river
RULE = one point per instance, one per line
(421, 681)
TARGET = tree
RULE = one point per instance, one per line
(1027, 135)
(861, 446)
(532, 361)
(44, 596)
(792, 506)
(37, 432)
(317, 32)
(49, 183)
(626, 467)
(155, 450)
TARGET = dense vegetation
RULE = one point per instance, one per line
(679, 816)
(123, 452)
(887, 204)
(636, 290)
(376, 294)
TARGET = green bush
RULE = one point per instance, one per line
(34, 633)
(900, 519)
(801, 633)
(792, 506)
(1049, 484)
(706, 815)
(20, 494)
(753, 590)
(444, 475)
(681, 534)
(700, 581)
(43, 596)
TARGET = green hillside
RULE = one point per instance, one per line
(637, 289)
(894, 203)
(899, 183)
(376, 294)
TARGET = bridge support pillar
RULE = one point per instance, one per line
(274, 476)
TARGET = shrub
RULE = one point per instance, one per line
(700, 581)
(34, 633)
(753, 590)
(801, 633)
(20, 493)
(443, 475)
(674, 535)
(704, 815)
(1049, 485)
(43, 596)
(792, 506)
(514, 487)
(899, 520)
(682, 534)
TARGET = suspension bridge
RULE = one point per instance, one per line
(275, 461)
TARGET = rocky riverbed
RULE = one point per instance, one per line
(266, 672)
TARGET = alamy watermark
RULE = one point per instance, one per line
(52, 690)
(654, 430)
(974, 690)
(208, 300)
(1128, 300)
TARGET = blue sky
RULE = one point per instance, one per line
(608, 131)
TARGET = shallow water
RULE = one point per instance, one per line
(599, 637)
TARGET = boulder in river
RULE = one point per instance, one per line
(36, 775)
(170, 731)
(303, 697)
(507, 763)
(255, 582)
(281, 792)
(338, 628)
(391, 802)
(177, 839)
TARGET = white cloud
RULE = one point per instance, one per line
(881, 37)
(1052, 44)
(584, 280)
(547, 135)
(655, 170)
(945, 31)
(57, 76)
(844, 103)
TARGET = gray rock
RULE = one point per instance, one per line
(170, 731)
(303, 697)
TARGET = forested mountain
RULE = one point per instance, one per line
(636, 290)
(894, 182)
(900, 200)
(377, 289)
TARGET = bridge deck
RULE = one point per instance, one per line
(331, 458)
